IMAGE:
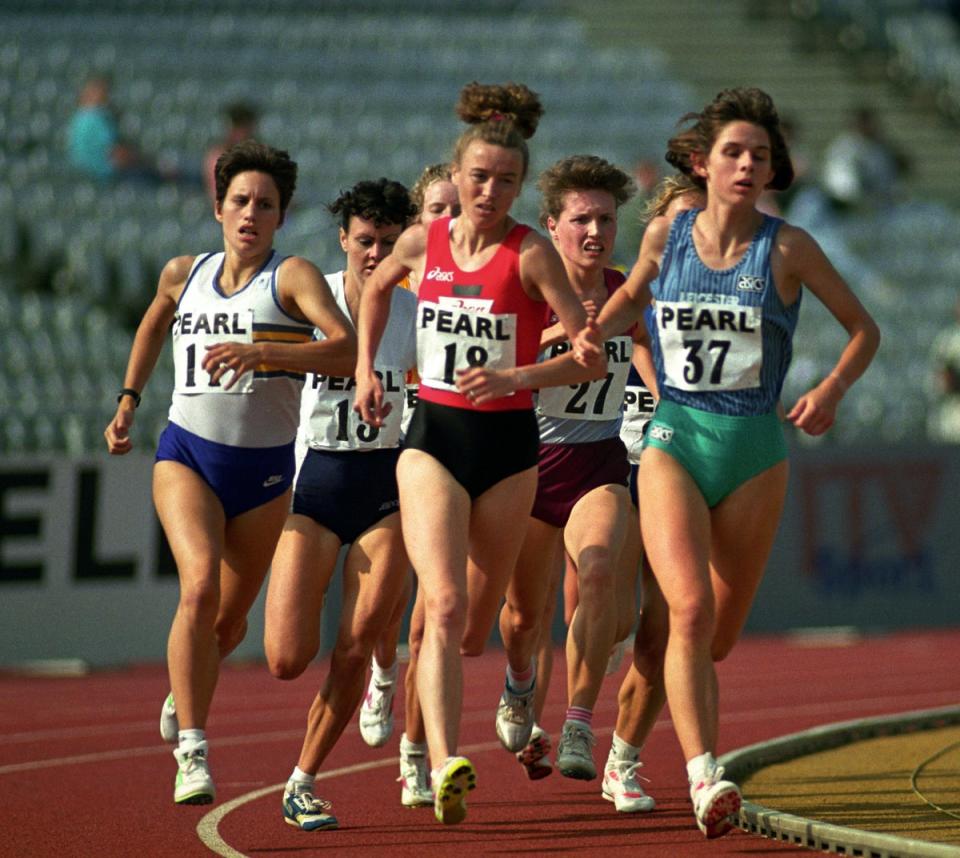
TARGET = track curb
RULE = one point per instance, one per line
(776, 825)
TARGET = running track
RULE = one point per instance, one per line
(83, 771)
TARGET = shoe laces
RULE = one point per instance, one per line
(628, 771)
(580, 739)
(309, 802)
(377, 698)
(514, 707)
(413, 772)
(193, 761)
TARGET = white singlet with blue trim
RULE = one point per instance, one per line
(327, 418)
(262, 408)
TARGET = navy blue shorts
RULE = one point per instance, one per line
(347, 492)
(634, 470)
(243, 478)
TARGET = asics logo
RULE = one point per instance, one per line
(439, 275)
(663, 434)
(272, 481)
(748, 283)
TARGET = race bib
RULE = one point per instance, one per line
(333, 424)
(455, 335)
(192, 333)
(600, 399)
(709, 346)
(638, 407)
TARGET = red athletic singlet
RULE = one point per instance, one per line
(474, 318)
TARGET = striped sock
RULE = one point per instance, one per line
(579, 715)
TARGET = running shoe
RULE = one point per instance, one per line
(515, 719)
(575, 752)
(414, 776)
(451, 783)
(169, 726)
(376, 714)
(716, 803)
(621, 785)
(303, 810)
(535, 757)
(193, 784)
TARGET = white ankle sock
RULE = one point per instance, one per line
(621, 750)
(383, 675)
(301, 777)
(701, 767)
(190, 738)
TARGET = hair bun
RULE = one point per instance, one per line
(510, 102)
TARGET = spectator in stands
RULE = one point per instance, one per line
(862, 166)
(242, 119)
(94, 144)
(943, 423)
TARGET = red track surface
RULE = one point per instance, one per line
(83, 771)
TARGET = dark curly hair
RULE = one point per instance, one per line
(500, 114)
(382, 201)
(746, 104)
(581, 173)
(251, 155)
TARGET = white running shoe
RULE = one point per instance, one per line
(535, 757)
(515, 719)
(414, 776)
(303, 810)
(621, 785)
(376, 714)
(575, 752)
(194, 784)
(169, 726)
(451, 783)
(716, 803)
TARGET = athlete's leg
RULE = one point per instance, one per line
(304, 561)
(249, 545)
(676, 536)
(594, 537)
(413, 714)
(436, 537)
(193, 521)
(642, 694)
(527, 593)
(385, 652)
(374, 579)
(743, 528)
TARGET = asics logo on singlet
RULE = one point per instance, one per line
(664, 434)
(749, 283)
(439, 275)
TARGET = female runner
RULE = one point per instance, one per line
(467, 475)
(434, 195)
(242, 321)
(726, 285)
(345, 494)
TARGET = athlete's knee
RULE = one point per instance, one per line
(692, 618)
(199, 603)
(596, 579)
(288, 662)
(473, 644)
(446, 610)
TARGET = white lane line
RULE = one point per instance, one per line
(831, 709)
(208, 827)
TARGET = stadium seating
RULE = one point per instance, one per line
(353, 90)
